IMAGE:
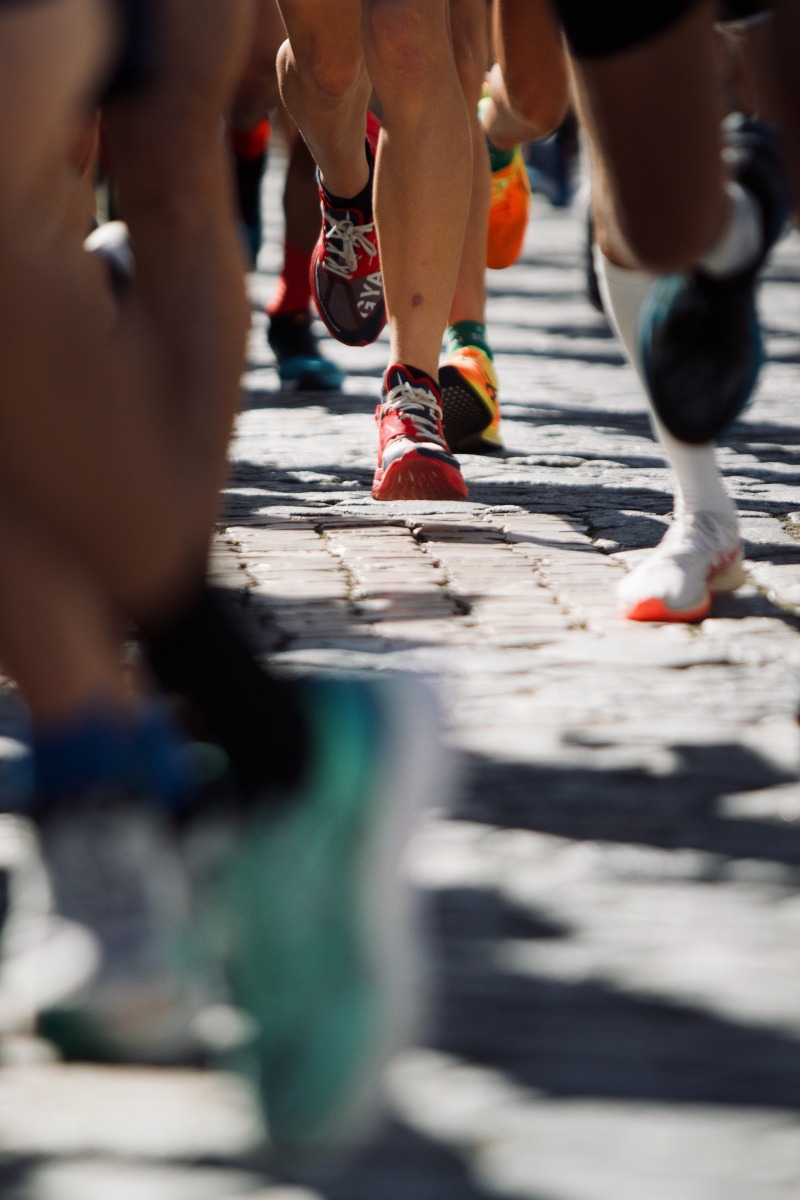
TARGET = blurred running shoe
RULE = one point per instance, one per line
(470, 407)
(508, 213)
(317, 918)
(297, 354)
(414, 462)
(115, 871)
(346, 278)
(43, 958)
(699, 335)
(699, 554)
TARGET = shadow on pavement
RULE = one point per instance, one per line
(629, 805)
(586, 1038)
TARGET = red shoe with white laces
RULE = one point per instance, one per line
(414, 462)
(346, 277)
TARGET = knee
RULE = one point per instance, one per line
(325, 75)
(538, 103)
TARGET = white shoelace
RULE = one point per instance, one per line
(420, 407)
(343, 260)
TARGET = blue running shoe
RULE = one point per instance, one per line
(699, 336)
(298, 357)
(315, 917)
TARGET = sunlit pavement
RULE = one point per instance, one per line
(612, 892)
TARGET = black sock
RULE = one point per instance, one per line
(363, 201)
(257, 719)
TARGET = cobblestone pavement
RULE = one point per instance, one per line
(613, 894)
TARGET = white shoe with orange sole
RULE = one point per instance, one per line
(701, 553)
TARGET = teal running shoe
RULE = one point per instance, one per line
(298, 357)
(700, 337)
(315, 916)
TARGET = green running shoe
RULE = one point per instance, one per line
(315, 918)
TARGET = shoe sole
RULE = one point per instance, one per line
(467, 417)
(727, 579)
(365, 334)
(416, 477)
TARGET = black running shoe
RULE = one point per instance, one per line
(699, 337)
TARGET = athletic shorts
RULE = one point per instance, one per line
(594, 28)
(739, 12)
(136, 60)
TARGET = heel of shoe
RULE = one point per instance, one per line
(730, 577)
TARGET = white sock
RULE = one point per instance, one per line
(743, 240)
(699, 483)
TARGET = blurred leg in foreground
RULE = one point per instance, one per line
(283, 895)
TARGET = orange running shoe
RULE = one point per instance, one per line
(470, 408)
(508, 214)
(414, 462)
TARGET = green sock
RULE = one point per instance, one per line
(466, 333)
(497, 158)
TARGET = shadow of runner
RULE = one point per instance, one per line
(586, 1038)
(682, 810)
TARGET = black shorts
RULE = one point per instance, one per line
(743, 10)
(594, 28)
(136, 59)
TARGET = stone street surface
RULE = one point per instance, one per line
(613, 891)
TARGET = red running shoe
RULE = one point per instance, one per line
(346, 278)
(414, 462)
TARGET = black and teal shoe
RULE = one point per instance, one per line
(700, 337)
(298, 358)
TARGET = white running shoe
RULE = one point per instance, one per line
(700, 553)
(43, 958)
(115, 872)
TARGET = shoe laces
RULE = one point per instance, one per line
(343, 240)
(420, 407)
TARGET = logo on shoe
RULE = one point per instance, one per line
(371, 294)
